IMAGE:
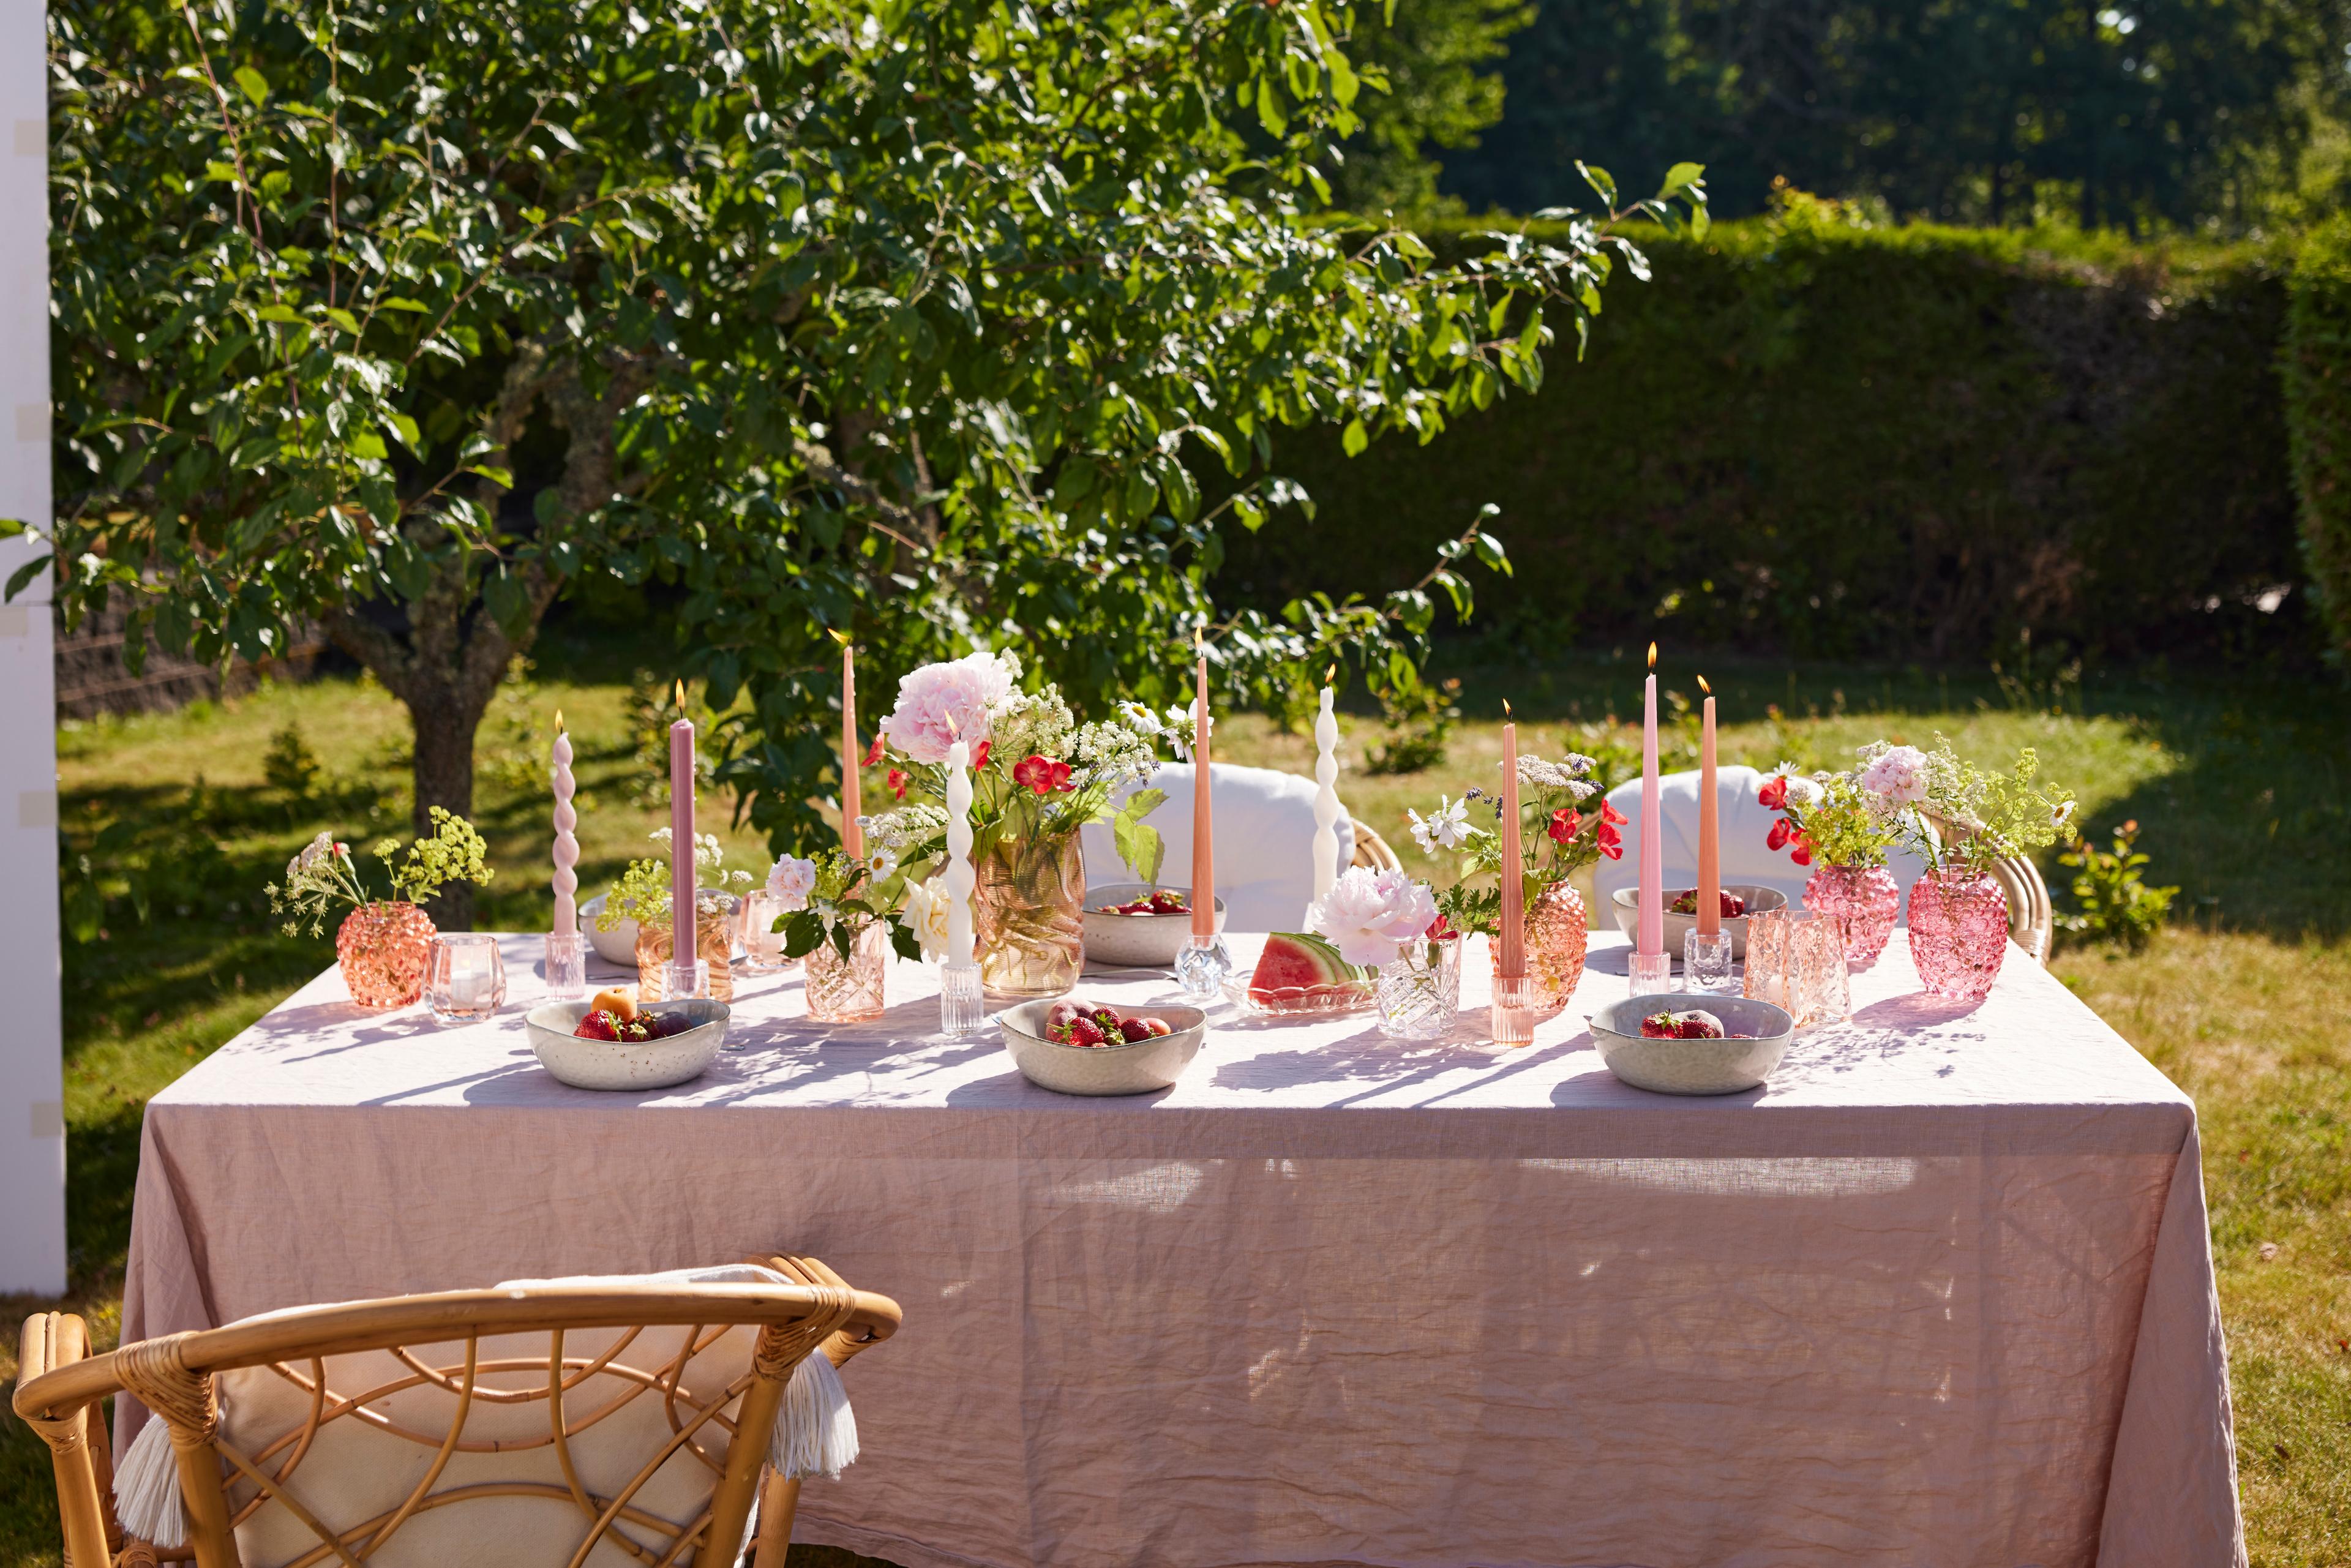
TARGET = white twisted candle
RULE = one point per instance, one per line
(567, 846)
(958, 877)
(1326, 800)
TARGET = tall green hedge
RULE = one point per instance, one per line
(1909, 442)
(2317, 364)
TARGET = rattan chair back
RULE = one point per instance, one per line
(610, 1425)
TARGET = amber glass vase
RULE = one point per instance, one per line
(1031, 902)
(715, 919)
(382, 949)
(1557, 935)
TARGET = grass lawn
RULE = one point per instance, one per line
(2240, 788)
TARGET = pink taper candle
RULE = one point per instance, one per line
(681, 826)
(567, 845)
(1653, 888)
(1204, 837)
(1511, 961)
(852, 804)
(1709, 830)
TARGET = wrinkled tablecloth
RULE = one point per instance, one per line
(1941, 1294)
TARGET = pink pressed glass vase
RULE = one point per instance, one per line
(1959, 934)
(1557, 931)
(382, 948)
(1866, 899)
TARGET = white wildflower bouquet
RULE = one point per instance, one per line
(642, 892)
(323, 877)
(1556, 837)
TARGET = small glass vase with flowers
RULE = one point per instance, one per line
(1038, 776)
(838, 914)
(1841, 828)
(1963, 820)
(382, 944)
(1385, 922)
(1557, 838)
(642, 895)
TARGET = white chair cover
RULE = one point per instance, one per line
(1265, 842)
(1744, 821)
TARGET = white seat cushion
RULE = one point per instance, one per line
(1265, 842)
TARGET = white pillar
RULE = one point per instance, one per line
(32, 1071)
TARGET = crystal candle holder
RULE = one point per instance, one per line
(567, 965)
(1796, 960)
(465, 978)
(1705, 962)
(1517, 1001)
(1202, 965)
(1649, 973)
(961, 1009)
(684, 979)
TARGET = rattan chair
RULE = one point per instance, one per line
(1370, 850)
(680, 1384)
(2031, 923)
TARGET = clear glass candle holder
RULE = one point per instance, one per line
(1202, 965)
(465, 978)
(1420, 991)
(1647, 974)
(962, 1010)
(680, 980)
(1705, 962)
(567, 965)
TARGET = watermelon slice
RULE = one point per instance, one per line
(1295, 965)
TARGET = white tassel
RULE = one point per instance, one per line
(816, 1432)
(147, 1487)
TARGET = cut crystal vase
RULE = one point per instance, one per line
(848, 990)
(714, 919)
(1420, 991)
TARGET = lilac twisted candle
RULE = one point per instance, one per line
(567, 846)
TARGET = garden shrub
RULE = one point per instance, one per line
(1834, 440)
(2317, 365)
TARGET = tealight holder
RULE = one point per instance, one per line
(1517, 1001)
(567, 965)
(961, 1009)
(1705, 962)
(1202, 965)
(1649, 973)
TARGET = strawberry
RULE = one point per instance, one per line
(598, 1025)
(1085, 1031)
(1134, 1030)
(1696, 1024)
(1660, 1026)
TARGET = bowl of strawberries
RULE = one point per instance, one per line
(1689, 1042)
(608, 1041)
(1738, 901)
(1139, 925)
(1077, 1047)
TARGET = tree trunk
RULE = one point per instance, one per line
(444, 726)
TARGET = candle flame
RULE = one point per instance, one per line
(1329, 675)
(1195, 640)
(838, 636)
(559, 721)
(1653, 655)
(681, 696)
(1506, 708)
(1704, 687)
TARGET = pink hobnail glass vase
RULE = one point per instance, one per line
(1557, 931)
(381, 948)
(1959, 934)
(1866, 899)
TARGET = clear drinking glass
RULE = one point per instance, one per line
(465, 978)
(763, 946)
(1420, 991)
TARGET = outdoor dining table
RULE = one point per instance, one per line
(1941, 1293)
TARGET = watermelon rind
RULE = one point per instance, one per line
(1298, 962)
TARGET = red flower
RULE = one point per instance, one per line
(1608, 840)
(898, 782)
(1609, 814)
(980, 758)
(1564, 825)
(1775, 792)
(1800, 849)
(1042, 774)
(874, 755)
(1782, 831)
(1439, 929)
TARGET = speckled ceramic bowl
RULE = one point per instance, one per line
(611, 1064)
(1627, 900)
(1693, 1066)
(1135, 1067)
(1136, 941)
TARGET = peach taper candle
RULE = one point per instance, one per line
(1204, 853)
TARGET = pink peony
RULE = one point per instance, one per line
(1899, 773)
(1369, 914)
(939, 704)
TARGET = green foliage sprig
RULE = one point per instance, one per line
(2114, 902)
(1557, 837)
(324, 876)
(1987, 816)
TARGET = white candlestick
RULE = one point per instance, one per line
(567, 847)
(1326, 800)
(958, 877)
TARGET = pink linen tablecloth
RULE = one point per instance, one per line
(1942, 1294)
